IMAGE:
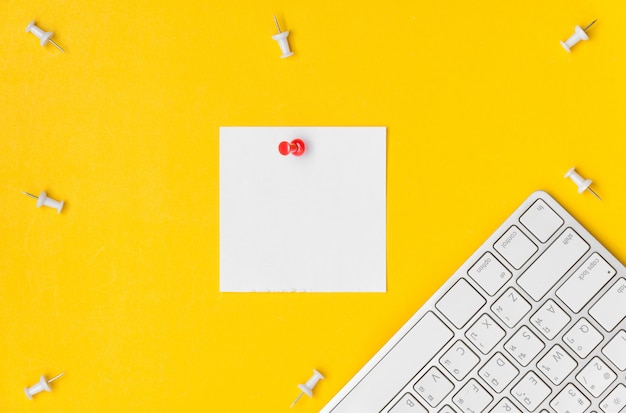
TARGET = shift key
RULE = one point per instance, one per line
(553, 264)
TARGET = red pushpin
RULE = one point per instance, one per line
(295, 147)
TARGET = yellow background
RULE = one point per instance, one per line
(120, 291)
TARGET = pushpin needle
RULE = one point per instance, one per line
(26, 193)
(597, 196)
(278, 27)
(56, 45)
(296, 401)
(57, 376)
(590, 24)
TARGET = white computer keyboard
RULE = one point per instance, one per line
(534, 321)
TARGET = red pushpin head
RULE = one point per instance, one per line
(295, 147)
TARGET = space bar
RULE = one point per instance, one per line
(391, 373)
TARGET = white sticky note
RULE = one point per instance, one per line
(313, 223)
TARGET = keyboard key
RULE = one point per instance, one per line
(498, 372)
(459, 360)
(541, 220)
(408, 404)
(596, 377)
(472, 398)
(616, 350)
(550, 319)
(515, 247)
(511, 307)
(505, 406)
(433, 386)
(489, 273)
(555, 262)
(460, 303)
(447, 409)
(582, 338)
(611, 308)
(557, 365)
(615, 401)
(524, 346)
(570, 400)
(485, 334)
(531, 391)
(586, 282)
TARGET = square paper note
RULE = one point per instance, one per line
(315, 222)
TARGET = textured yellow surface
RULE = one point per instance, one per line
(120, 291)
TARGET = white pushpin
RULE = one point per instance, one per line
(308, 386)
(44, 200)
(281, 38)
(42, 385)
(582, 183)
(44, 37)
(579, 34)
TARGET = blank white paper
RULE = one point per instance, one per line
(314, 223)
